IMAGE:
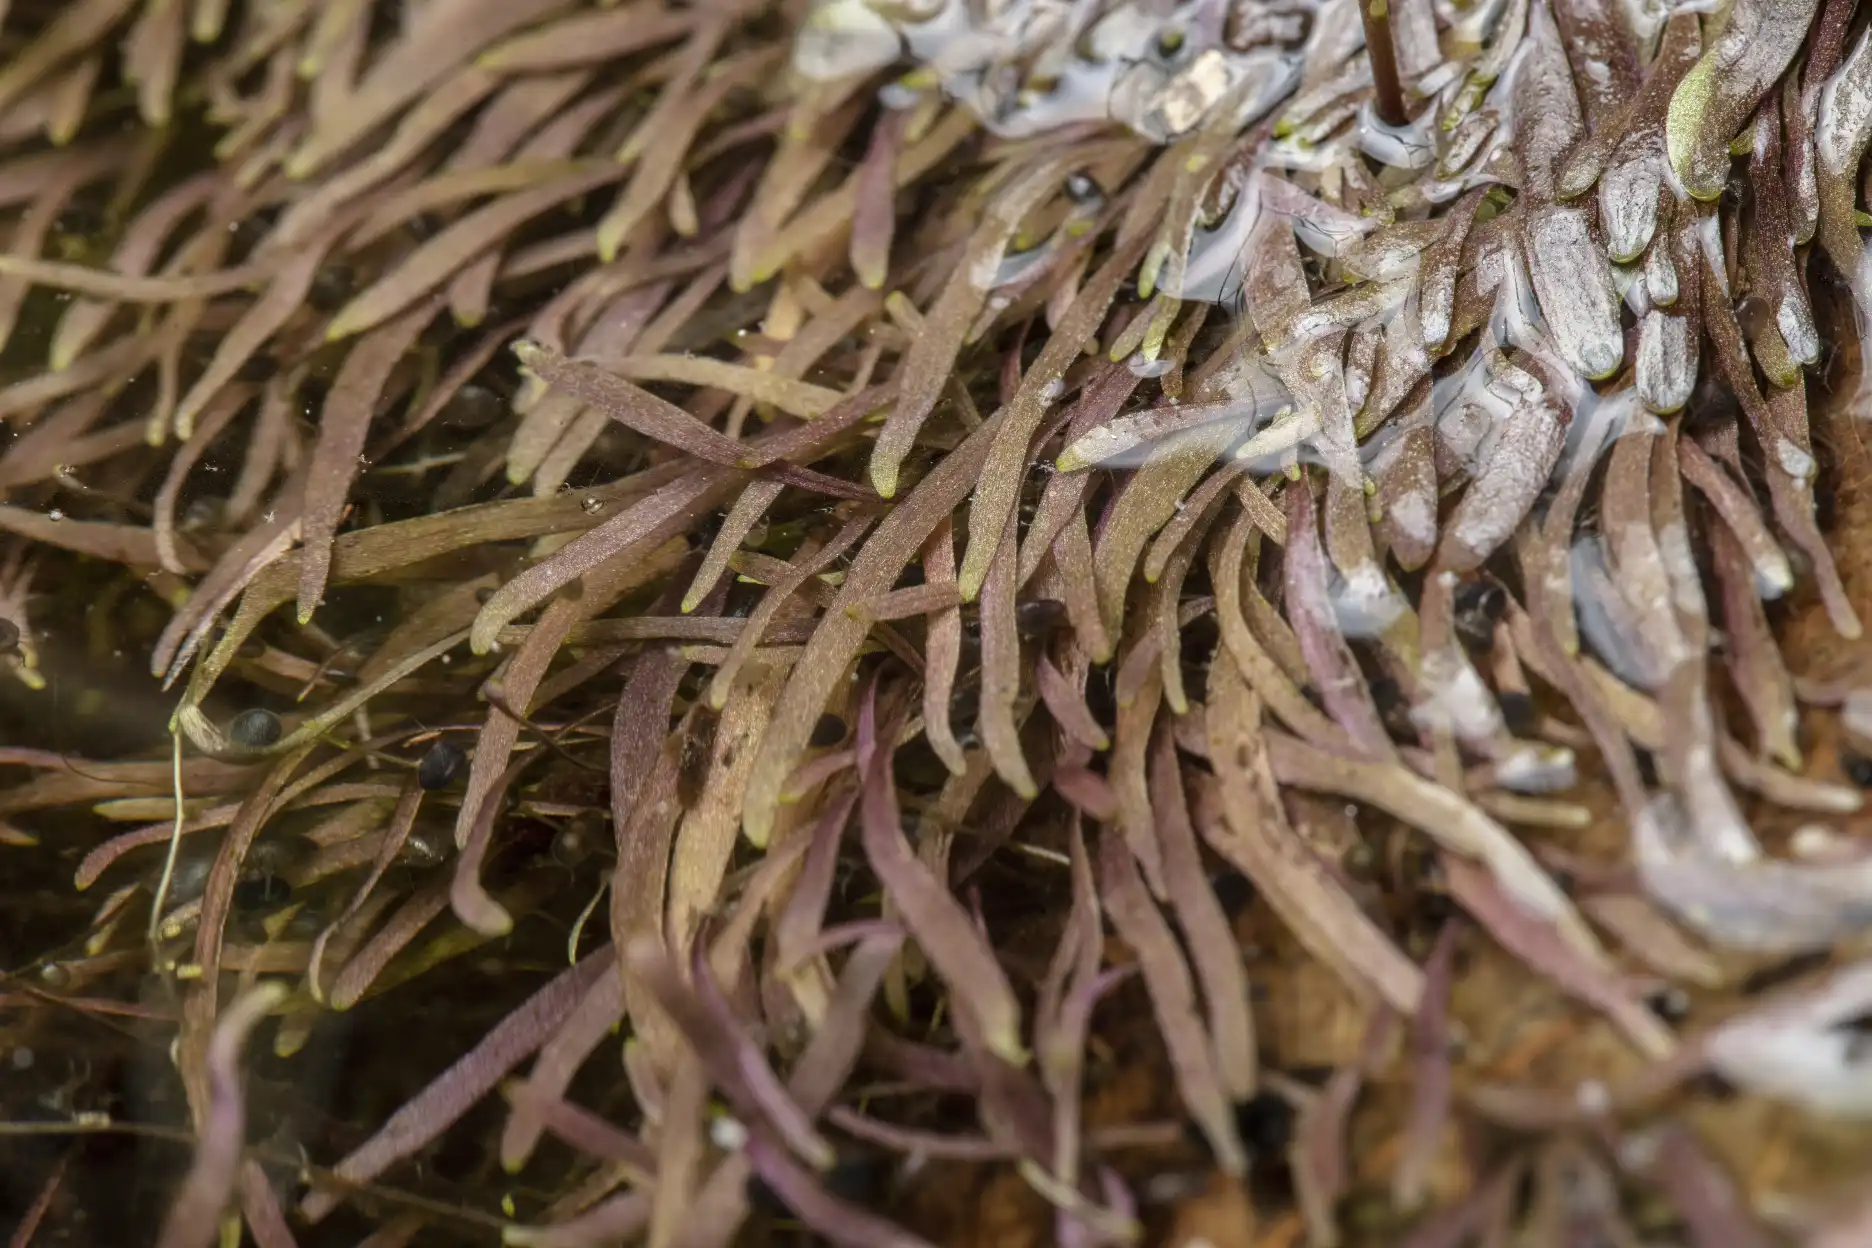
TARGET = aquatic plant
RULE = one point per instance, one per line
(805, 513)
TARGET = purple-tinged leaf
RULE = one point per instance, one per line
(1240, 816)
(986, 1010)
(732, 1058)
(1342, 687)
(839, 1221)
(1207, 932)
(1173, 999)
(194, 1219)
(451, 1094)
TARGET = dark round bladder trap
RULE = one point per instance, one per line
(440, 764)
(256, 729)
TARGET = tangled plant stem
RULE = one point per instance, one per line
(1388, 95)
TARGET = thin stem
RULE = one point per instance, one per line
(175, 840)
(1390, 95)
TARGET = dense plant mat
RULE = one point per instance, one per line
(1006, 623)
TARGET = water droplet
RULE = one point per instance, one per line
(727, 1134)
(592, 506)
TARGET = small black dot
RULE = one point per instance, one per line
(256, 729)
(439, 765)
(829, 731)
(1266, 1122)
(1858, 767)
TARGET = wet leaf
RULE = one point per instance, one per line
(1714, 100)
